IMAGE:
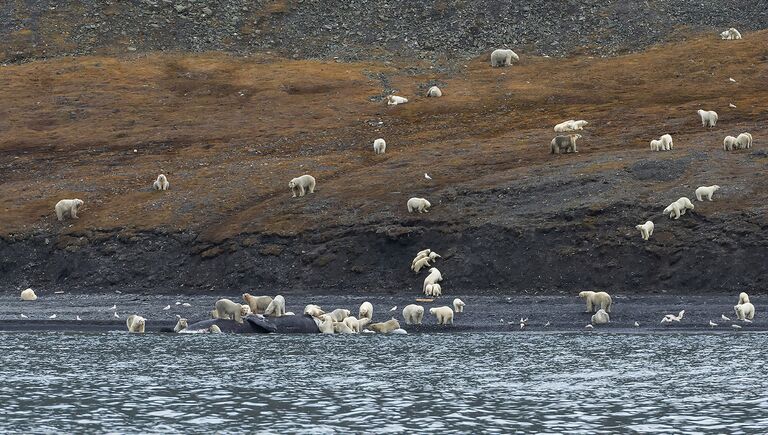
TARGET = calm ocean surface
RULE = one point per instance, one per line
(462, 383)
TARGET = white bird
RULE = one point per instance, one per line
(546, 324)
(167, 307)
(427, 176)
(669, 318)
(712, 324)
(178, 303)
(501, 320)
(178, 317)
(724, 317)
(78, 318)
(185, 304)
(117, 315)
(23, 316)
(393, 309)
(523, 323)
(734, 326)
(589, 326)
(730, 79)
(747, 321)
(53, 316)
(118, 292)
(114, 307)
(732, 106)
(637, 325)
(60, 292)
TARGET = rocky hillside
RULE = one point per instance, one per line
(360, 29)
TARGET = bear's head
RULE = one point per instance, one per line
(715, 187)
(245, 310)
(586, 294)
(78, 202)
(291, 184)
(739, 309)
(247, 297)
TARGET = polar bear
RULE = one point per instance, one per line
(384, 327)
(424, 252)
(458, 305)
(744, 141)
(597, 299)
(258, 304)
(302, 184)
(666, 142)
(743, 298)
(342, 328)
(181, 324)
(678, 208)
(579, 124)
(685, 204)
(730, 34)
(353, 324)
(443, 314)
(503, 57)
(67, 207)
(729, 143)
(338, 315)
(434, 277)
(313, 310)
(161, 183)
(646, 230)
(394, 100)
(325, 324)
(246, 311)
(276, 308)
(434, 91)
(28, 295)
(745, 311)
(564, 144)
(656, 145)
(424, 262)
(418, 204)
(707, 191)
(417, 258)
(379, 146)
(434, 290)
(413, 314)
(135, 323)
(434, 255)
(366, 311)
(224, 308)
(565, 126)
(600, 318)
(708, 117)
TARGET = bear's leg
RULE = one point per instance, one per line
(73, 213)
(293, 191)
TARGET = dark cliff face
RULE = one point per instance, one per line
(360, 29)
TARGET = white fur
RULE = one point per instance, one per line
(744, 141)
(276, 308)
(313, 310)
(743, 298)
(413, 314)
(379, 146)
(257, 303)
(601, 317)
(384, 327)
(434, 277)
(28, 295)
(339, 314)
(707, 191)
(656, 145)
(708, 117)
(745, 311)
(564, 144)
(418, 204)
(424, 262)
(646, 229)
(353, 324)
(597, 299)
(135, 323)
(434, 91)
(342, 328)
(444, 315)
(458, 305)
(180, 325)
(224, 308)
(729, 143)
(666, 142)
(161, 183)
(730, 34)
(678, 208)
(366, 311)
(434, 255)
(502, 57)
(302, 185)
(434, 290)
(570, 125)
(394, 100)
(67, 207)
(324, 324)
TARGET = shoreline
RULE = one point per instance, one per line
(564, 313)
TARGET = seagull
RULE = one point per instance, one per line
(547, 324)
(501, 320)
(589, 326)
(723, 316)
(185, 304)
(712, 324)
(735, 326)
(118, 292)
(730, 79)
(637, 325)
(114, 307)
(117, 315)
(393, 309)
(167, 307)
(178, 303)
(732, 106)
(669, 318)
(23, 316)
(53, 316)
(747, 321)
(523, 323)
(78, 318)
(178, 317)
(59, 292)
(427, 176)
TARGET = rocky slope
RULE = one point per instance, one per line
(359, 29)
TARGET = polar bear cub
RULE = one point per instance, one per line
(656, 145)
(353, 324)
(597, 299)
(135, 323)
(413, 314)
(276, 308)
(302, 184)
(394, 100)
(443, 314)
(67, 207)
(418, 204)
(601, 317)
(458, 305)
(646, 230)
(729, 34)
(28, 295)
(161, 183)
(434, 290)
(708, 117)
(434, 91)
(379, 146)
(366, 311)
(258, 304)
(745, 311)
(706, 191)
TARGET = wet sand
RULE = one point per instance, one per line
(482, 313)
